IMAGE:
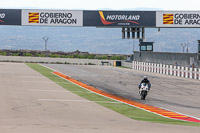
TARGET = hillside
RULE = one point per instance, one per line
(93, 40)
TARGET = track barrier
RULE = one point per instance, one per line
(178, 71)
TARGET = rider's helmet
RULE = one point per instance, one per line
(145, 78)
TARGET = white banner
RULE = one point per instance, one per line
(52, 18)
(177, 19)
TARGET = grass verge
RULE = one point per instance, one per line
(129, 111)
(123, 67)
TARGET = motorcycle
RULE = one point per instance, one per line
(144, 89)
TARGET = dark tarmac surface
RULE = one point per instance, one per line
(173, 93)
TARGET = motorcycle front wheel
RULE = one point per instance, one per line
(143, 95)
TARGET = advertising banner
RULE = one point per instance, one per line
(10, 17)
(178, 19)
(119, 18)
(52, 18)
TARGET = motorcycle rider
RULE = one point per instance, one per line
(145, 80)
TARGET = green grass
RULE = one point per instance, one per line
(129, 111)
(123, 67)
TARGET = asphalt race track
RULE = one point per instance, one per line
(32, 103)
(173, 93)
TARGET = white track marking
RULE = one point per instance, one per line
(29, 76)
(44, 82)
(49, 90)
(65, 100)
(58, 91)
(37, 82)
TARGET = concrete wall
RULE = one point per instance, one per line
(180, 59)
(53, 60)
(127, 64)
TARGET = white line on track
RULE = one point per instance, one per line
(44, 82)
(37, 82)
(58, 91)
(48, 90)
(65, 100)
(29, 76)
